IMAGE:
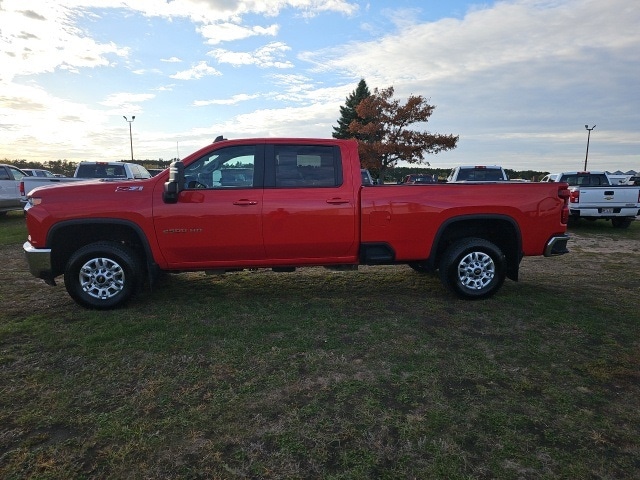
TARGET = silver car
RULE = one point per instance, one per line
(10, 177)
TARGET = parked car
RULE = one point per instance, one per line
(10, 177)
(367, 179)
(38, 172)
(419, 179)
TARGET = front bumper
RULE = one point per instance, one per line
(39, 261)
(557, 245)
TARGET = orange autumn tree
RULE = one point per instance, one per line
(384, 134)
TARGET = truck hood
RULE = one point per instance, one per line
(80, 187)
(125, 199)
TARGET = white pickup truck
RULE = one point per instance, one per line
(103, 171)
(477, 173)
(594, 197)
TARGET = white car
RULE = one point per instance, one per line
(38, 172)
(10, 177)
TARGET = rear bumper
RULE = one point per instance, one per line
(603, 212)
(557, 245)
(39, 261)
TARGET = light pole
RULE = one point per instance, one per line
(130, 137)
(588, 137)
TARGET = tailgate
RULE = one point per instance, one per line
(609, 197)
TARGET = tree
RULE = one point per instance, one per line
(384, 137)
(348, 112)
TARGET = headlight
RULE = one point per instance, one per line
(33, 201)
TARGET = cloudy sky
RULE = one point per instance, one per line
(517, 80)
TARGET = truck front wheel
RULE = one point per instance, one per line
(103, 275)
(472, 268)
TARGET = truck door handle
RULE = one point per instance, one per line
(609, 192)
(245, 202)
(337, 201)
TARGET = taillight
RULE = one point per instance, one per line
(575, 196)
(22, 193)
(564, 194)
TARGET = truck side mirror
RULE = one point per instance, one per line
(175, 184)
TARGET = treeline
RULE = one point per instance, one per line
(67, 168)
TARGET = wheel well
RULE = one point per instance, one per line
(69, 237)
(501, 231)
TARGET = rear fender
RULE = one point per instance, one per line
(501, 230)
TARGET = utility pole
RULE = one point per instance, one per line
(588, 137)
(130, 136)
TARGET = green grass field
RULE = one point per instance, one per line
(377, 373)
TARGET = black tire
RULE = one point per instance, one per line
(623, 222)
(103, 275)
(472, 268)
(419, 267)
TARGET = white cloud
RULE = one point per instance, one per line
(313, 120)
(202, 69)
(206, 11)
(171, 60)
(235, 99)
(512, 34)
(520, 68)
(227, 32)
(268, 56)
(212, 11)
(124, 101)
(41, 37)
(45, 127)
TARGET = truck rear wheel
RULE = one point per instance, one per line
(472, 268)
(103, 275)
(623, 222)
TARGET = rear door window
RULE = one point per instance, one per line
(303, 166)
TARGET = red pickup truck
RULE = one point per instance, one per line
(281, 204)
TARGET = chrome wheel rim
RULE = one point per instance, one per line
(102, 278)
(476, 270)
